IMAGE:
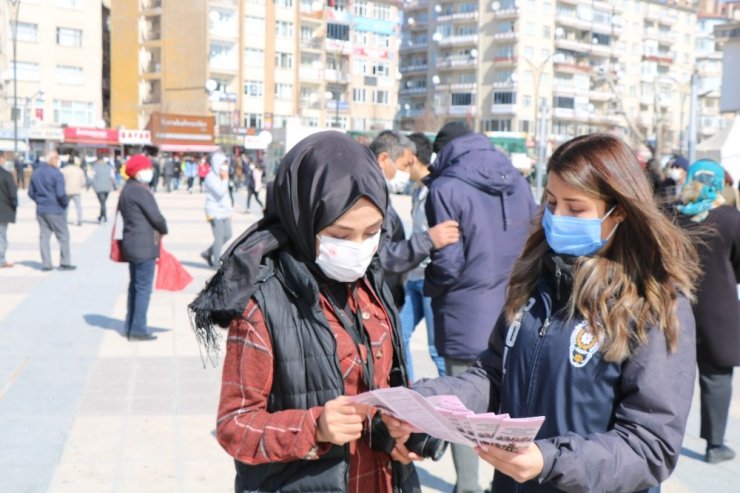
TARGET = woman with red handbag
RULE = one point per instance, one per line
(143, 227)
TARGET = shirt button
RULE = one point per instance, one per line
(365, 316)
(379, 354)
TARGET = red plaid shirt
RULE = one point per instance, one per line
(254, 436)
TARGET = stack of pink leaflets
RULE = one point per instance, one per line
(447, 418)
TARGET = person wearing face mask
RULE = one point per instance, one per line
(597, 334)
(398, 255)
(310, 322)
(670, 188)
(477, 186)
(143, 227)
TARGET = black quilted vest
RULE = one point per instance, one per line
(306, 371)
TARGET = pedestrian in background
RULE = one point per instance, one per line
(47, 190)
(8, 208)
(20, 172)
(156, 173)
(203, 169)
(190, 172)
(74, 183)
(178, 163)
(597, 334)
(143, 227)
(416, 306)
(398, 255)
(103, 183)
(218, 207)
(254, 184)
(310, 322)
(168, 170)
(716, 227)
(476, 186)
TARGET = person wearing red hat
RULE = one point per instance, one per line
(143, 227)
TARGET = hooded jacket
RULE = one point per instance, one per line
(478, 187)
(609, 427)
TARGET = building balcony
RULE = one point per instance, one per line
(334, 105)
(573, 45)
(667, 37)
(505, 60)
(505, 85)
(152, 70)
(464, 40)
(309, 73)
(507, 36)
(461, 110)
(503, 109)
(411, 113)
(223, 64)
(568, 89)
(419, 67)
(411, 46)
(606, 6)
(412, 90)
(664, 58)
(336, 77)
(458, 17)
(457, 62)
(151, 35)
(415, 5)
(509, 13)
(312, 44)
(150, 5)
(599, 95)
(572, 67)
(601, 50)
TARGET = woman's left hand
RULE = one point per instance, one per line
(521, 466)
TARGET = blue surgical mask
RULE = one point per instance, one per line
(574, 235)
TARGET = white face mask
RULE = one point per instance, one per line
(344, 260)
(400, 181)
(674, 174)
(145, 175)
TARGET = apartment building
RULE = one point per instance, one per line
(622, 66)
(254, 64)
(331, 64)
(58, 70)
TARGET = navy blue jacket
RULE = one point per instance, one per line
(609, 427)
(47, 190)
(478, 187)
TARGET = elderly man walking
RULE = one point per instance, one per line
(8, 207)
(74, 183)
(47, 190)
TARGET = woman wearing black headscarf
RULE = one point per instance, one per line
(310, 322)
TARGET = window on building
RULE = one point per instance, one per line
(504, 97)
(283, 60)
(527, 101)
(284, 29)
(497, 125)
(338, 5)
(69, 37)
(380, 69)
(503, 75)
(565, 102)
(382, 40)
(25, 70)
(381, 97)
(337, 31)
(284, 3)
(253, 120)
(254, 57)
(468, 7)
(254, 25)
(253, 88)
(68, 74)
(27, 32)
(529, 28)
(546, 33)
(74, 113)
(461, 99)
(310, 121)
(505, 52)
(382, 11)
(358, 95)
(337, 122)
(360, 8)
(465, 78)
(306, 34)
(360, 66)
(524, 126)
(362, 38)
(283, 91)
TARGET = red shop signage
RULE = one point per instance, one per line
(94, 136)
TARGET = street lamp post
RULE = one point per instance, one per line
(15, 7)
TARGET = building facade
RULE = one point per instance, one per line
(255, 64)
(58, 70)
(622, 66)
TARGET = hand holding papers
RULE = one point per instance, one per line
(447, 418)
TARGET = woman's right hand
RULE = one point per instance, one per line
(341, 421)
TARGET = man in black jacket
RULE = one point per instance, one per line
(8, 206)
(395, 154)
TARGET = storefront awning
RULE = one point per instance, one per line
(7, 145)
(188, 148)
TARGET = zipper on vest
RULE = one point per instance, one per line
(558, 276)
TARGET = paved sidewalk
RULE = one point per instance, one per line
(84, 410)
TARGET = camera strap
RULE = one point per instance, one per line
(352, 324)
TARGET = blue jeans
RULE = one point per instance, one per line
(415, 308)
(139, 293)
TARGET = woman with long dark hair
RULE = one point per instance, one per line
(310, 323)
(597, 334)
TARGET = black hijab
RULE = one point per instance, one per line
(319, 180)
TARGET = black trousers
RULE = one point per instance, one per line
(715, 385)
(102, 197)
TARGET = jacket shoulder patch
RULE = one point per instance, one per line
(583, 345)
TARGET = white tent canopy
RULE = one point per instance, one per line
(8, 145)
(724, 147)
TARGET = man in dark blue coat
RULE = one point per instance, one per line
(477, 186)
(47, 190)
